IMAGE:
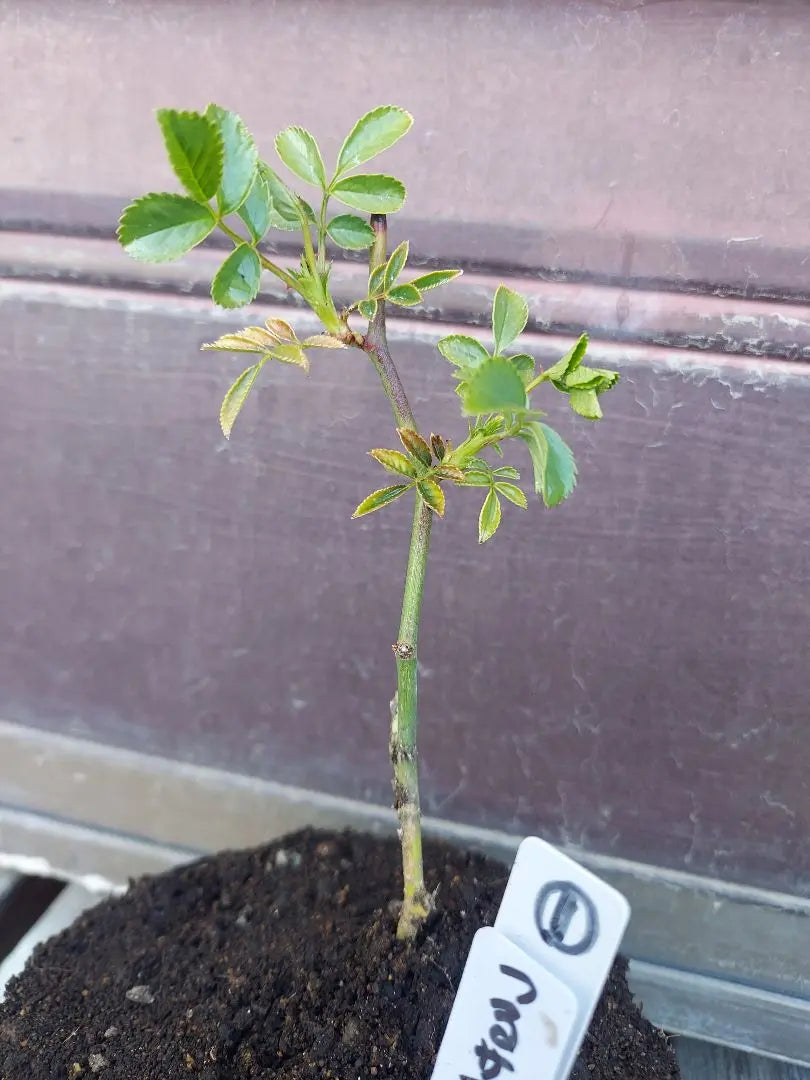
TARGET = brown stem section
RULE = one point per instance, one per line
(376, 342)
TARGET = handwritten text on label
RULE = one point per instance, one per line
(511, 1017)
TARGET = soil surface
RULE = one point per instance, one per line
(277, 962)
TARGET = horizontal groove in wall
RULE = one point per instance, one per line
(716, 324)
(546, 348)
(734, 266)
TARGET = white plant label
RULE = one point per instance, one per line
(569, 921)
(511, 1018)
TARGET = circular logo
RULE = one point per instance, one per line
(566, 918)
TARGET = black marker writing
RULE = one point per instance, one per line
(503, 1033)
(555, 908)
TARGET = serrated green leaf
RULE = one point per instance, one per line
(450, 472)
(404, 295)
(513, 493)
(524, 365)
(372, 134)
(239, 158)
(510, 312)
(324, 341)
(194, 146)
(490, 517)
(555, 471)
(463, 351)
(285, 207)
(253, 339)
(396, 264)
(434, 279)
(585, 403)
(380, 498)
(371, 192)
(298, 150)
(432, 495)
(477, 478)
(351, 232)
(597, 379)
(495, 386)
(608, 379)
(236, 283)
(161, 227)
(281, 330)
(257, 210)
(367, 308)
(291, 354)
(394, 461)
(235, 398)
(558, 372)
(415, 445)
(506, 472)
(276, 340)
(376, 282)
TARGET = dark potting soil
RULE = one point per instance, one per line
(277, 962)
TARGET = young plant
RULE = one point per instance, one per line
(230, 188)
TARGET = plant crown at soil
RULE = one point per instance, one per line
(228, 187)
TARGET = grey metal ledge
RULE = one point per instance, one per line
(716, 961)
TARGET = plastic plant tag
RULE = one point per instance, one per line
(511, 1017)
(569, 921)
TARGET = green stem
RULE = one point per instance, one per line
(309, 251)
(322, 232)
(287, 278)
(416, 901)
(536, 382)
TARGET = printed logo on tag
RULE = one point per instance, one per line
(569, 921)
(511, 1016)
